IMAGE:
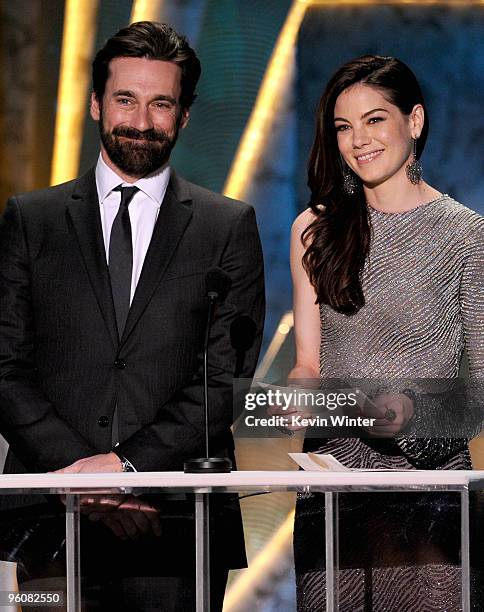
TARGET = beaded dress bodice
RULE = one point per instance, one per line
(424, 298)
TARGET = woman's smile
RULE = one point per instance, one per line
(366, 158)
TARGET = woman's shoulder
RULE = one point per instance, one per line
(304, 220)
(462, 221)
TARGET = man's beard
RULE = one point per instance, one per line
(144, 153)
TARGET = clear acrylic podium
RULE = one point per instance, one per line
(201, 485)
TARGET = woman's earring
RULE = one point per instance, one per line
(351, 183)
(414, 168)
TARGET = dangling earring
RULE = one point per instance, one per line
(414, 168)
(351, 183)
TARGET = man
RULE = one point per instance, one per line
(102, 313)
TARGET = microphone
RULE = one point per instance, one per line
(242, 333)
(217, 284)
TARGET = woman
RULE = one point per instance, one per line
(388, 284)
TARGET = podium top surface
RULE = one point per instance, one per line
(292, 480)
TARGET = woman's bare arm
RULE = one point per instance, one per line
(306, 312)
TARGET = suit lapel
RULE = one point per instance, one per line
(175, 214)
(83, 210)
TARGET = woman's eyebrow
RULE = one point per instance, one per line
(373, 110)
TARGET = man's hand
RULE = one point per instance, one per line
(391, 411)
(105, 462)
(127, 516)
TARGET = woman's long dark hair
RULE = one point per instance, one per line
(338, 240)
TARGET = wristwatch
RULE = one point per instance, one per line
(126, 465)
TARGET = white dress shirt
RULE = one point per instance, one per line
(143, 210)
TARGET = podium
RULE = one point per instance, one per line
(202, 485)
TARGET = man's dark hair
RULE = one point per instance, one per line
(152, 40)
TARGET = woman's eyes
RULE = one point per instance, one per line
(372, 120)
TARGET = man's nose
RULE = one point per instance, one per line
(141, 119)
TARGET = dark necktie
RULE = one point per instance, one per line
(121, 258)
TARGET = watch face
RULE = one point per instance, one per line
(127, 467)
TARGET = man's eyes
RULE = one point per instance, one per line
(163, 105)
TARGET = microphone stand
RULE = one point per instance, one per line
(205, 465)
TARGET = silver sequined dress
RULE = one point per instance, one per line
(424, 303)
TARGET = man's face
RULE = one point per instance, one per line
(140, 115)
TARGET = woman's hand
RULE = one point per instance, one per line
(391, 411)
(300, 376)
(290, 413)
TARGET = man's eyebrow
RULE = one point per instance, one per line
(373, 110)
(124, 92)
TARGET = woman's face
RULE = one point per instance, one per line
(374, 137)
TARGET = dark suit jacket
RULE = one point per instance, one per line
(62, 368)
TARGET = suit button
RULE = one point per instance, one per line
(103, 421)
(120, 364)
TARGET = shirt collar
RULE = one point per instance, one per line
(153, 185)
